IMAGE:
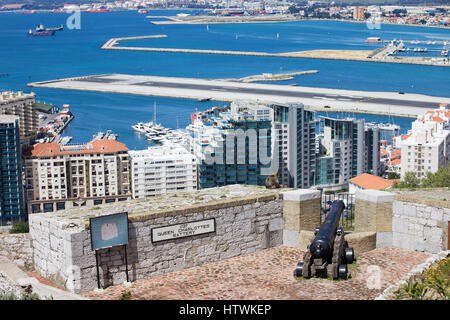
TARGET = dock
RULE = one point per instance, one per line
(333, 100)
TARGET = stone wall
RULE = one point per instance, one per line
(63, 251)
(420, 221)
(17, 248)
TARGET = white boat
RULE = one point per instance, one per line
(139, 127)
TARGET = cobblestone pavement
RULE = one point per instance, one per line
(269, 275)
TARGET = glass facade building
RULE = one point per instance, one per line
(11, 192)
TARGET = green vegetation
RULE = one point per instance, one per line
(393, 175)
(24, 296)
(434, 284)
(440, 179)
(125, 295)
(19, 227)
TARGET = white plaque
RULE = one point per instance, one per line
(182, 230)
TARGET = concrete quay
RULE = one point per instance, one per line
(333, 100)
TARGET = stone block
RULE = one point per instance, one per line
(276, 224)
(383, 239)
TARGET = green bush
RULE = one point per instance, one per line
(19, 227)
(24, 296)
(125, 295)
(439, 179)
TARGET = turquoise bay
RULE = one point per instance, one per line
(73, 53)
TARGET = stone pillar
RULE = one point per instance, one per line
(373, 213)
(301, 212)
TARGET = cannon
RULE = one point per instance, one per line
(328, 254)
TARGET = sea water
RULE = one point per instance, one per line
(72, 53)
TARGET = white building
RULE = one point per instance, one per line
(428, 146)
(162, 170)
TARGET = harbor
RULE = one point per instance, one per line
(334, 100)
(159, 135)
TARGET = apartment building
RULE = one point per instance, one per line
(59, 177)
(426, 148)
(372, 144)
(232, 148)
(162, 170)
(11, 191)
(22, 105)
(342, 151)
(295, 135)
(293, 139)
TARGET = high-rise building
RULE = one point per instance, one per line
(372, 144)
(11, 191)
(22, 105)
(232, 148)
(59, 176)
(293, 139)
(342, 151)
(295, 135)
(162, 170)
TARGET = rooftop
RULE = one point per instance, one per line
(369, 181)
(51, 149)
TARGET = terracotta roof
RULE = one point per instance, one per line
(394, 162)
(437, 119)
(369, 181)
(405, 136)
(52, 149)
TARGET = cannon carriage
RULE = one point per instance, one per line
(328, 254)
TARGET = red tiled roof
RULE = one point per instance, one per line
(369, 181)
(51, 149)
(394, 162)
(437, 119)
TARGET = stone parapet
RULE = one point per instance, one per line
(301, 211)
(373, 211)
(247, 219)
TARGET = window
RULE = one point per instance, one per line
(60, 205)
(35, 208)
(48, 207)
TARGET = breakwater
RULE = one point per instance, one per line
(350, 55)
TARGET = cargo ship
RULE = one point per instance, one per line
(41, 31)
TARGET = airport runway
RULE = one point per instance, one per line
(383, 102)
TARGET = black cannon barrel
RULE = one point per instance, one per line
(323, 243)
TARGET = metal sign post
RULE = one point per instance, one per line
(109, 231)
(98, 273)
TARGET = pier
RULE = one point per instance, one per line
(333, 100)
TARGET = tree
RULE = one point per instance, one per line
(411, 181)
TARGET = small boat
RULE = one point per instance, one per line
(142, 11)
